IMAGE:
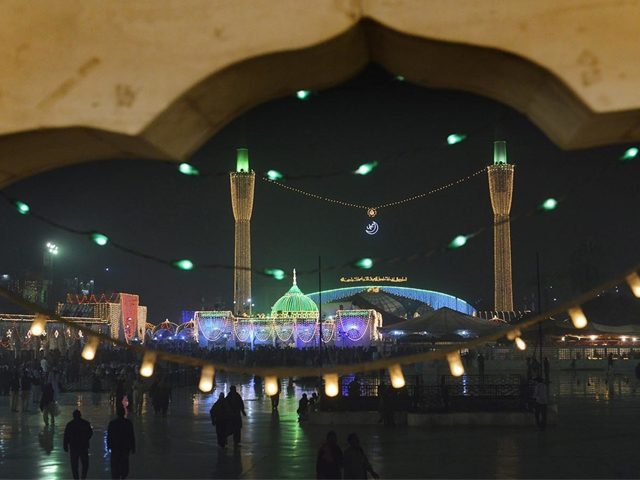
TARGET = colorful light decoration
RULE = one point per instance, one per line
(187, 169)
(275, 273)
(630, 154)
(577, 317)
(372, 228)
(456, 138)
(363, 263)
(306, 329)
(129, 305)
(284, 328)
(328, 330)
(354, 323)
(366, 168)
(549, 204)
(457, 242)
(22, 208)
(212, 325)
(206, 378)
(99, 239)
(262, 330)
(183, 264)
(242, 328)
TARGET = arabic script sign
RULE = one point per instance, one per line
(373, 279)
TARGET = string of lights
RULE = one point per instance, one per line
(451, 352)
(364, 263)
(372, 211)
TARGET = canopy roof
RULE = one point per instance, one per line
(445, 321)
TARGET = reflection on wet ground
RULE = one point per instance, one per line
(595, 438)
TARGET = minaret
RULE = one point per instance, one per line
(501, 190)
(242, 186)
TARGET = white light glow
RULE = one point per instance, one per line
(148, 364)
(577, 317)
(271, 385)
(397, 379)
(206, 378)
(38, 325)
(331, 388)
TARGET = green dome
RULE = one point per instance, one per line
(295, 304)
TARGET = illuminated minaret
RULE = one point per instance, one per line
(242, 185)
(501, 190)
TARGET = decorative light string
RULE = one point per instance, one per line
(372, 211)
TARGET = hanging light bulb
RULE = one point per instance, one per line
(366, 168)
(331, 388)
(548, 205)
(513, 334)
(99, 238)
(206, 378)
(363, 263)
(455, 364)
(634, 282)
(148, 364)
(187, 169)
(456, 138)
(38, 325)
(183, 264)
(22, 208)
(91, 347)
(577, 317)
(457, 242)
(271, 385)
(397, 379)
(275, 273)
(520, 343)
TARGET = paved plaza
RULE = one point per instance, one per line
(596, 438)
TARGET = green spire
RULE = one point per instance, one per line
(499, 152)
(242, 164)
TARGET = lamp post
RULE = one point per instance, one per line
(250, 306)
(49, 253)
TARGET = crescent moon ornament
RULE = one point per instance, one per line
(373, 228)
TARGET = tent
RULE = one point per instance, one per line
(446, 321)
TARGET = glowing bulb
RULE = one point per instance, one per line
(592, 337)
(397, 379)
(634, 282)
(364, 263)
(630, 154)
(187, 169)
(513, 334)
(520, 343)
(455, 364)
(22, 208)
(456, 138)
(90, 348)
(271, 385)
(577, 317)
(400, 78)
(206, 378)
(183, 264)
(99, 239)
(275, 273)
(459, 241)
(624, 339)
(148, 364)
(331, 384)
(274, 175)
(39, 322)
(549, 204)
(366, 168)
(303, 94)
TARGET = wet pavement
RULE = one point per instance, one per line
(596, 438)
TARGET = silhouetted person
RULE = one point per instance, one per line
(76, 438)
(275, 399)
(14, 387)
(354, 388)
(303, 407)
(47, 405)
(481, 366)
(162, 396)
(119, 392)
(329, 459)
(356, 463)
(122, 442)
(545, 366)
(540, 394)
(25, 388)
(220, 416)
(237, 407)
(637, 378)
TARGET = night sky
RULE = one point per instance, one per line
(150, 206)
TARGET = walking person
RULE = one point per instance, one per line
(303, 408)
(540, 395)
(47, 405)
(138, 395)
(237, 407)
(54, 380)
(637, 378)
(25, 389)
(356, 463)
(329, 459)
(545, 367)
(275, 399)
(14, 388)
(220, 416)
(121, 442)
(162, 397)
(77, 434)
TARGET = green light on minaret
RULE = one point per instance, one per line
(499, 153)
(242, 164)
